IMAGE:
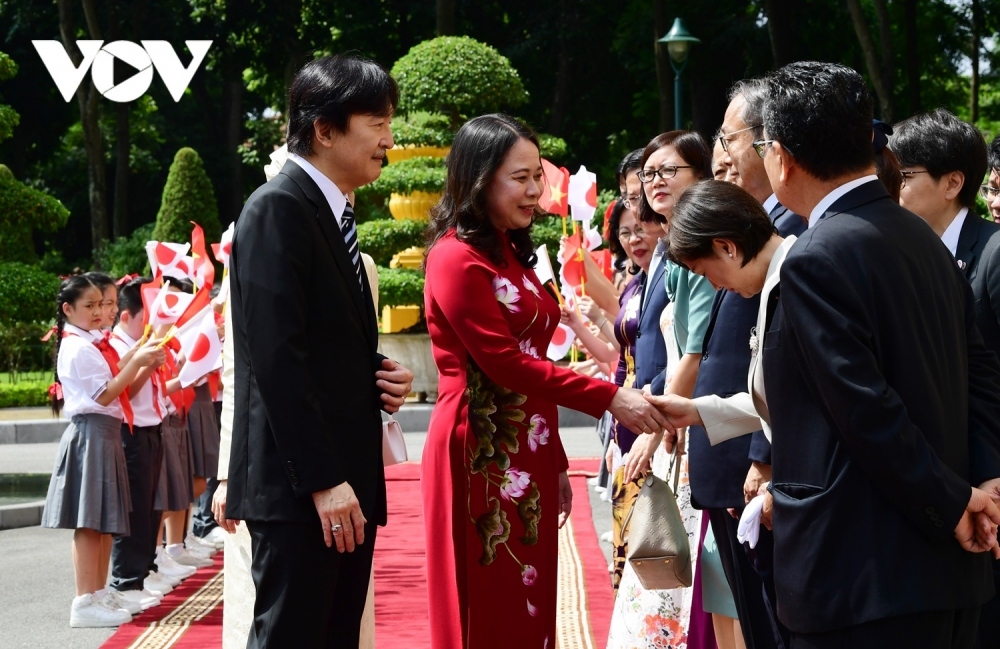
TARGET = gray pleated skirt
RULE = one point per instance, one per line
(204, 428)
(89, 485)
(175, 491)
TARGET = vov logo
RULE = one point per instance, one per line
(100, 60)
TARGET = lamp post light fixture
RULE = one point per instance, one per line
(679, 41)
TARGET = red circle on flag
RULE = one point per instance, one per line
(170, 300)
(201, 347)
(164, 255)
(559, 336)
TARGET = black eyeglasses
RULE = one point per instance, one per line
(630, 201)
(989, 192)
(666, 172)
(625, 235)
(723, 137)
(760, 146)
(909, 174)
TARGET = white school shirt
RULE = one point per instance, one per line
(165, 401)
(144, 413)
(84, 374)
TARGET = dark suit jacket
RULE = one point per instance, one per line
(979, 251)
(717, 473)
(304, 340)
(884, 408)
(650, 349)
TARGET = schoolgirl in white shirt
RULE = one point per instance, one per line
(88, 491)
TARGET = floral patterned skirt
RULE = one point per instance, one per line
(649, 618)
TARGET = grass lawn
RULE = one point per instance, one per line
(27, 377)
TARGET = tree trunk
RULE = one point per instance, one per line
(86, 97)
(123, 150)
(780, 30)
(912, 55)
(445, 18)
(977, 22)
(232, 111)
(664, 72)
(888, 63)
(560, 89)
(872, 62)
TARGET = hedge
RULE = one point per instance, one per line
(457, 76)
(420, 174)
(22, 210)
(400, 287)
(382, 239)
(27, 293)
(187, 197)
(421, 128)
(24, 395)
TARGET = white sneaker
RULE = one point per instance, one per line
(592, 482)
(111, 598)
(186, 558)
(216, 537)
(173, 582)
(606, 537)
(157, 586)
(199, 548)
(167, 566)
(87, 611)
(144, 599)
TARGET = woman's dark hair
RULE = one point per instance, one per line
(941, 143)
(614, 244)
(70, 291)
(994, 154)
(333, 88)
(692, 149)
(631, 162)
(183, 283)
(130, 295)
(479, 148)
(888, 170)
(710, 210)
(821, 113)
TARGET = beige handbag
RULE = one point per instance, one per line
(393, 444)
(658, 546)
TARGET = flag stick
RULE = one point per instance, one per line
(170, 334)
(565, 234)
(583, 268)
(558, 294)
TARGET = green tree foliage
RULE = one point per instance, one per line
(400, 286)
(187, 197)
(22, 210)
(126, 255)
(27, 294)
(8, 116)
(420, 174)
(459, 77)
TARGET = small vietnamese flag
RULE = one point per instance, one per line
(204, 270)
(202, 300)
(555, 193)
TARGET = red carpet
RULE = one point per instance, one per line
(191, 616)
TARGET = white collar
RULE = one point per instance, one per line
(770, 203)
(92, 336)
(831, 198)
(121, 333)
(331, 192)
(950, 236)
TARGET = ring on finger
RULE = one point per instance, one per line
(337, 529)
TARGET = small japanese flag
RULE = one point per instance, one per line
(562, 340)
(222, 249)
(200, 343)
(168, 306)
(543, 267)
(583, 195)
(164, 255)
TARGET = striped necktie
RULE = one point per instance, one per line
(350, 232)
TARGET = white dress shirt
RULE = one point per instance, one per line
(143, 410)
(831, 198)
(333, 195)
(950, 236)
(84, 374)
(770, 203)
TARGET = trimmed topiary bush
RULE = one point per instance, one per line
(187, 197)
(384, 238)
(420, 174)
(126, 255)
(459, 77)
(22, 210)
(27, 294)
(422, 128)
(400, 287)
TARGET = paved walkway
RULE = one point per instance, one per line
(36, 570)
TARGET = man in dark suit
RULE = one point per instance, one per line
(306, 468)
(722, 476)
(942, 160)
(883, 399)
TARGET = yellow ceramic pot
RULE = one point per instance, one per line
(416, 206)
(408, 151)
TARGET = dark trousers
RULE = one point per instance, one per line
(203, 521)
(131, 555)
(989, 616)
(952, 629)
(308, 595)
(756, 617)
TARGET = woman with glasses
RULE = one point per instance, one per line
(991, 190)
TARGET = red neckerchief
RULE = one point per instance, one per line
(153, 380)
(168, 371)
(213, 383)
(112, 359)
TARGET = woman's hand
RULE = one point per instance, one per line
(590, 309)
(680, 412)
(569, 318)
(637, 414)
(640, 458)
(565, 498)
(759, 474)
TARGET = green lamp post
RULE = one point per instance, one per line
(679, 41)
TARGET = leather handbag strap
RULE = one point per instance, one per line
(675, 466)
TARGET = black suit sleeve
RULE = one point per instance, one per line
(829, 332)
(274, 265)
(984, 390)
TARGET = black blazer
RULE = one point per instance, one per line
(304, 339)
(884, 408)
(978, 251)
(717, 473)
(650, 349)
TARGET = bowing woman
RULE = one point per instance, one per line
(494, 481)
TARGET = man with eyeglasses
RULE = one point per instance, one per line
(726, 476)
(942, 160)
(884, 402)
